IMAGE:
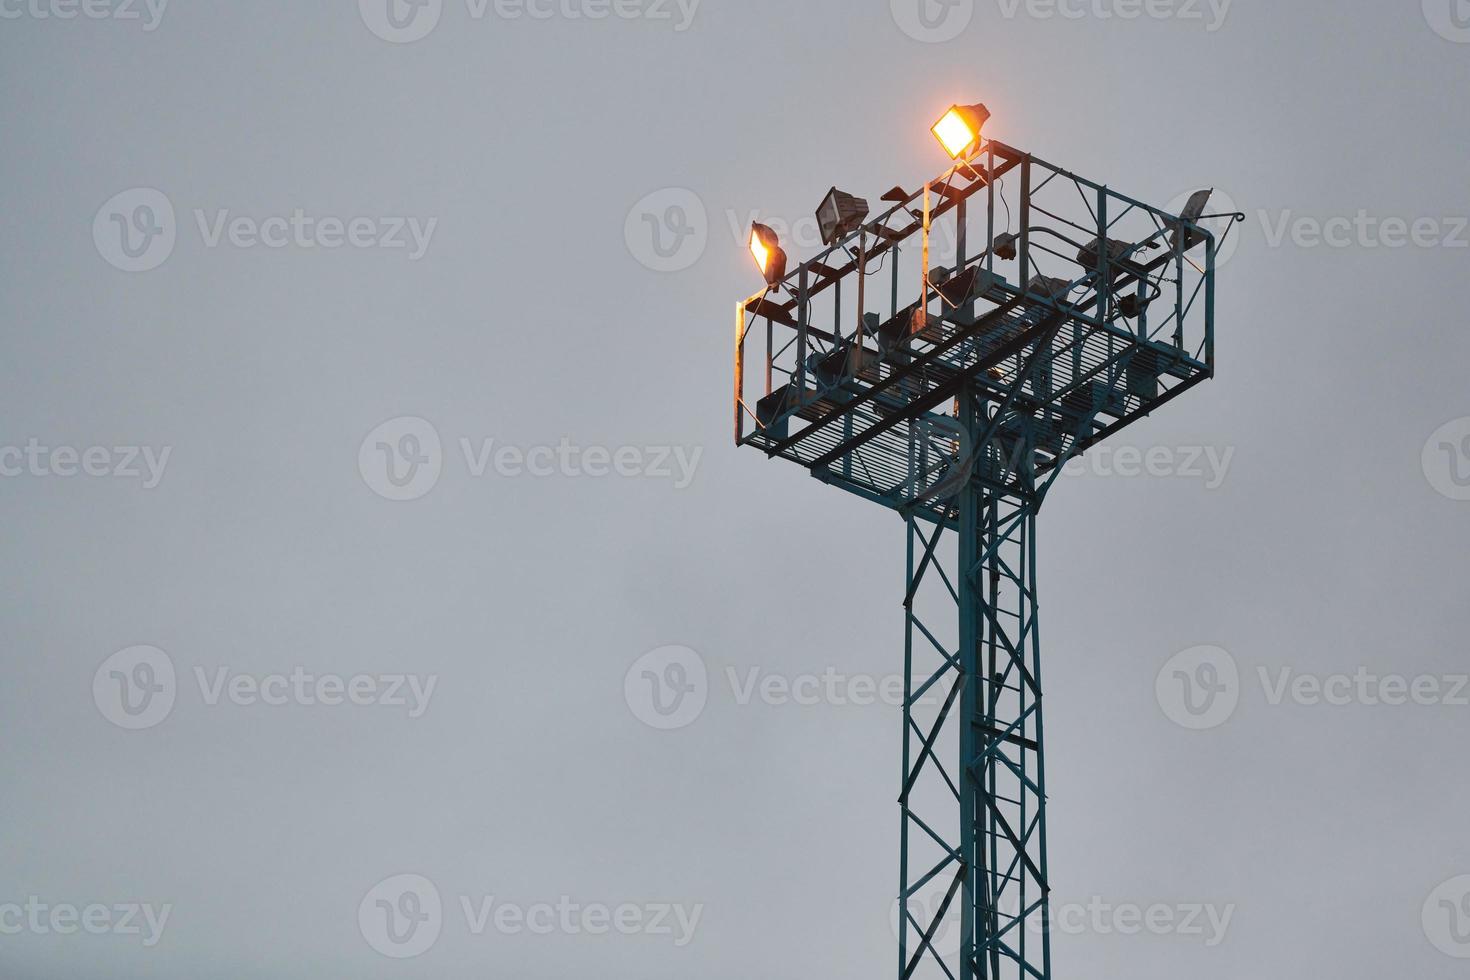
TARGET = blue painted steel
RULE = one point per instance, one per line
(959, 410)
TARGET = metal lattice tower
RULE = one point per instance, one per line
(1081, 311)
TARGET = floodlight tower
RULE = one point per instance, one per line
(1080, 311)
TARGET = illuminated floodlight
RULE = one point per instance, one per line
(958, 130)
(766, 247)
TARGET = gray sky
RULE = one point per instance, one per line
(255, 252)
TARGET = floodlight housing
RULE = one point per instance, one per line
(1185, 239)
(765, 245)
(958, 130)
(839, 215)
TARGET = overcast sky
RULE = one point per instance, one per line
(365, 448)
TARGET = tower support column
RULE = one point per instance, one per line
(973, 902)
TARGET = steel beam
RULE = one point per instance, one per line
(992, 920)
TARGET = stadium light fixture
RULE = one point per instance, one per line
(1183, 240)
(958, 130)
(839, 215)
(765, 245)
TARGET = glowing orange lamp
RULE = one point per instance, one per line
(958, 130)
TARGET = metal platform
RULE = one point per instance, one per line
(1064, 342)
(956, 402)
